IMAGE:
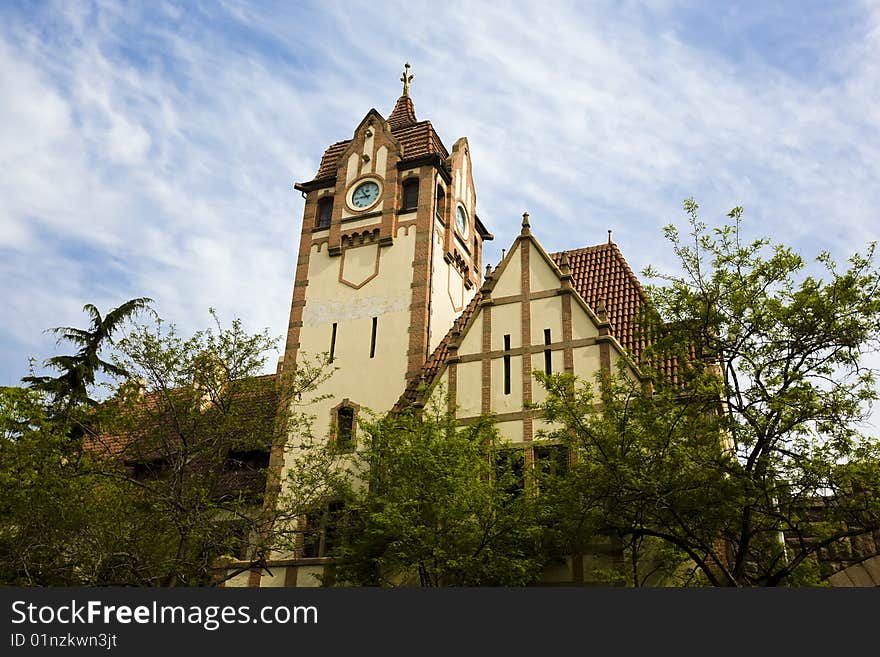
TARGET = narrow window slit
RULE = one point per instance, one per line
(333, 342)
(373, 338)
(548, 358)
(507, 365)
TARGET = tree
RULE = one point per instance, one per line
(749, 463)
(421, 502)
(198, 422)
(170, 474)
(52, 529)
(77, 372)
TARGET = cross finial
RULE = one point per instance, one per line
(406, 78)
(525, 224)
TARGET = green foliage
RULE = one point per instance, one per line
(756, 435)
(78, 372)
(431, 504)
(153, 485)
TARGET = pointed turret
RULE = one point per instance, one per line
(404, 113)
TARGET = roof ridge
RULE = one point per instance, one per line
(628, 270)
(583, 249)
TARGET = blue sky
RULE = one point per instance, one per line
(151, 149)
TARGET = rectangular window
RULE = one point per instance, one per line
(548, 355)
(506, 365)
(321, 533)
(345, 429)
(333, 342)
(411, 194)
(325, 212)
(510, 471)
(373, 339)
(551, 459)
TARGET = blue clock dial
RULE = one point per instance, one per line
(365, 194)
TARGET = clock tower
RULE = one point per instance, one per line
(390, 254)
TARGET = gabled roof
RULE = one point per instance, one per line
(601, 275)
(417, 139)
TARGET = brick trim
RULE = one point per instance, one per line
(527, 413)
(526, 336)
(486, 401)
(568, 347)
(419, 308)
(375, 273)
(452, 393)
(532, 349)
(516, 298)
(356, 408)
(605, 357)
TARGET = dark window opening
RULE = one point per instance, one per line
(373, 338)
(551, 460)
(325, 212)
(322, 532)
(144, 470)
(232, 537)
(506, 365)
(548, 354)
(333, 343)
(411, 194)
(441, 204)
(253, 459)
(510, 471)
(345, 428)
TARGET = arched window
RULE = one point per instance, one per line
(411, 194)
(325, 212)
(441, 204)
(345, 428)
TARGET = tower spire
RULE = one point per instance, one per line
(406, 78)
(403, 114)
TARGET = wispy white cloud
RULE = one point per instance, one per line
(151, 149)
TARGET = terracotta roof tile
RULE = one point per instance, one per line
(602, 276)
(403, 114)
(418, 138)
(259, 405)
(330, 159)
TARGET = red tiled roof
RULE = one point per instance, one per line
(256, 404)
(327, 169)
(403, 114)
(417, 138)
(601, 276)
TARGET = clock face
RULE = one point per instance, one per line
(365, 195)
(461, 221)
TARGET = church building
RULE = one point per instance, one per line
(390, 282)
